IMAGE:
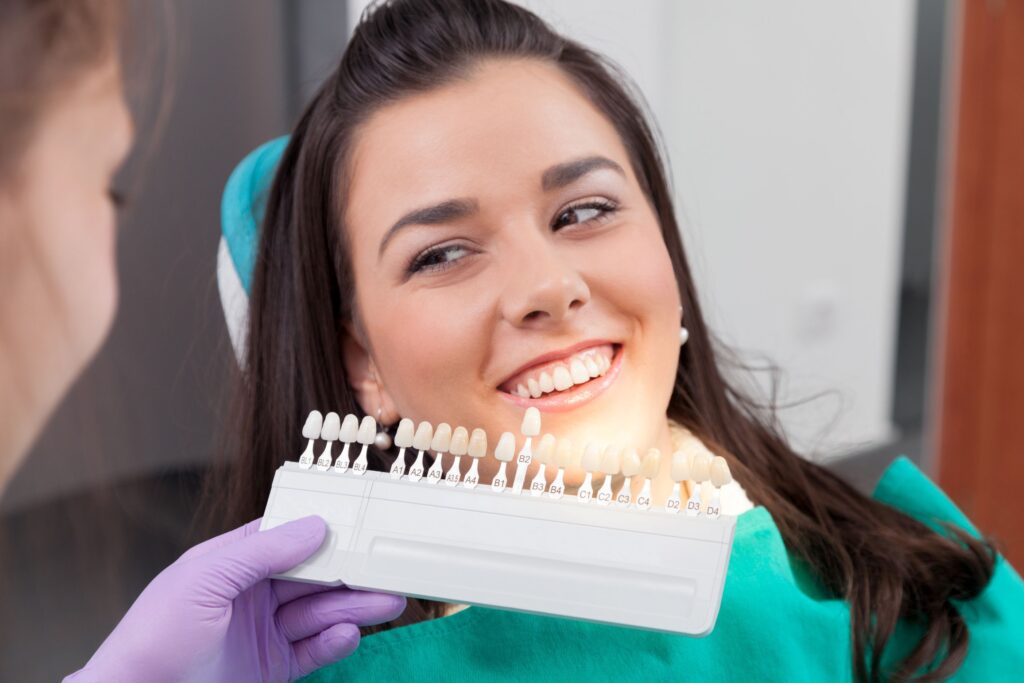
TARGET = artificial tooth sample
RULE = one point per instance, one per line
(720, 476)
(591, 462)
(403, 439)
(311, 431)
(458, 448)
(649, 470)
(421, 442)
(329, 434)
(545, 455)
(366, 435)
(565, 455)
(700, 471)
(440, 444)
(530, 428)
(477, 450)
(630, 468)
(680, 473)
(611, 464)
(504, 452)
(348, 433)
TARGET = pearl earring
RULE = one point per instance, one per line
(382, 440)
(684, 334)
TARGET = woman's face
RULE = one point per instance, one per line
(498, 234)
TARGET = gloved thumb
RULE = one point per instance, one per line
(236, 567)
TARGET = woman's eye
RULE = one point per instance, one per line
(438, 258)
(585, 212)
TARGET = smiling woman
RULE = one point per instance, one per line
(472, 217)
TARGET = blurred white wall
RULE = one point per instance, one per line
(787, 128)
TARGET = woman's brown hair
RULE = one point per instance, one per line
(46, 45)
(887, 565)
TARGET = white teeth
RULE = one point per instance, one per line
(578, 371)
(546, 383)
(563, 380)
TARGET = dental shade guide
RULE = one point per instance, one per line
(367, 431)
(530, 429)
(680, 473)
(590, 462)
(477, 450)
(503, 453)
(649, 470)
(611, 465)
(347, 433)
(403, 439)
(440, 444)
(421, 442)
(700, 471)
(311, 431)
(328, 434)
(545, 455)
(630, 468)
(627, 564)
(565, 456)
(459, 446)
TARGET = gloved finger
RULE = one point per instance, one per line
(224, 539)
(238, 566)
(285, 591)
(312, 614)
(326, 647)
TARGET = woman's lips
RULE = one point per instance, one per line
(574, 396)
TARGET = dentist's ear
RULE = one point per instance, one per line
(364, 378)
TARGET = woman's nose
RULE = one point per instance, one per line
(543, 287)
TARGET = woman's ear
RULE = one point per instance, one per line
(365, 379)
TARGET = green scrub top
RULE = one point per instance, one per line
(775, 624)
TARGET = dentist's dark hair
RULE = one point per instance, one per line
(887, 565)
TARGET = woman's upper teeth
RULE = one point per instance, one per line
(577, 369)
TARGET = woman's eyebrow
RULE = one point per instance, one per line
(445, 212)
(568, 172)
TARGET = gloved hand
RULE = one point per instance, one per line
(214, 615)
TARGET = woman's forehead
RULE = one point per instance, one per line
(504, 124)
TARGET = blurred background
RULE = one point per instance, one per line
(848, 177)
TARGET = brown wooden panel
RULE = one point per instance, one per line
(981, 360)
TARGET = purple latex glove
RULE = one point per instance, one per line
(214, 615)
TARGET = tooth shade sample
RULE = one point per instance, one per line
(545, 452)
(403, 437)
(531, 422)
(442, 438)
(506, 448)
(477, 444)
(332, 424)
(349, 428)
(611, 463)
(701, 468)
(630, 462)
(652, 461)
(680, 466)
(591, 461)
(421, 439)
(562, 378)
(314, 423)
(565, 454)
(367, 430)
(460, 441)
(720, 474)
